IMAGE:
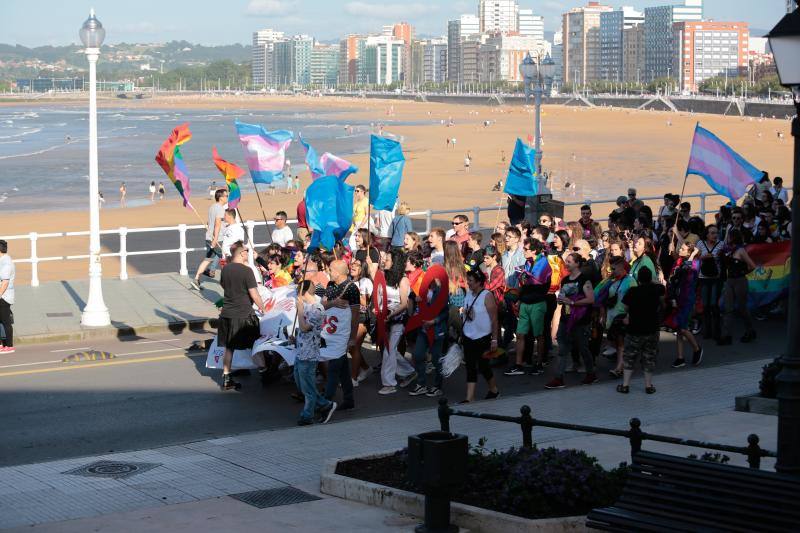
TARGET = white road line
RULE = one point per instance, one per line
(71, 349)
(151, 342)
(31, 364)
(189, 354)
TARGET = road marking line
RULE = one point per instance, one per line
(171, 349)
(72, 349)
(153, 342)
(17, 365)
(32, 364)
(97, 365)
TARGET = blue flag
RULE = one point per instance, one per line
(312, 160)
(329, 210)
(386, 162)
(521, 179)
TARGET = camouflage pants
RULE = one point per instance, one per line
(643, 348)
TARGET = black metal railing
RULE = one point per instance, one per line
(635, 435)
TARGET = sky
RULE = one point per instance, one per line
(56, 22)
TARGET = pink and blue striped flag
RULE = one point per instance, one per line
(327, 165)
(265, 151)
(726, 172)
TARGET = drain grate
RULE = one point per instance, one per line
(111, 469)
(274, 497)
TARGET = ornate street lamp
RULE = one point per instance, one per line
(784, 40)
(95, 313)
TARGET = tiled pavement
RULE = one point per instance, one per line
(41, 493)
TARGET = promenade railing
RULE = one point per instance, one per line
(753, 451)
(477, 214)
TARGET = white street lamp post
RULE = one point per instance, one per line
(95, 313)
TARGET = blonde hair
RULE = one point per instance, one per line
(403, 208)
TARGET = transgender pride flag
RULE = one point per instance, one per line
(265, 151)
(727, 172)
(327, 165)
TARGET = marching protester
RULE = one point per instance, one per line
(479, 335)
(7, 275)
(216, 214)
(282, 233)
(342, 303)
(737, 265)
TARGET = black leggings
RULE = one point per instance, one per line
(473, 352)
(7, 321)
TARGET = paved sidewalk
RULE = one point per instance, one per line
(144, 304)
(697, 404)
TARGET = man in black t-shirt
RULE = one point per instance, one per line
(238, 326)
(642, 304)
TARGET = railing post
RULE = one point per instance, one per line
(703, 205)
(635, 436)
(476, 218)
(444, 415)
(123, 253)
(428, 221)
(753, 451)
(34, 260)
(182, 249)
(526, 422)
(251, 249)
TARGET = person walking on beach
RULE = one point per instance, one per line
(7, 274)
(466, 164)
(296, 185)
(152, 190)
(162, 192)
(238, 326)
(216, 213)
(123, 191)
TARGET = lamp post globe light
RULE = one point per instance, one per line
(784, 40)
(95, 313)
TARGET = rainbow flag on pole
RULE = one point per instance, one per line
(265, 151)
(231, 172)
(726, 172)
(770, 281)
(170, 159)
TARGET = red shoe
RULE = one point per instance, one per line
(555, 383)
(589, 379)
(6, 349)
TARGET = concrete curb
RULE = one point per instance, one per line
(755, 403)
(465, 516)
(122, 330)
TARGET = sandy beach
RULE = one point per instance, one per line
(602, 151)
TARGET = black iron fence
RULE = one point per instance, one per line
(635, 435)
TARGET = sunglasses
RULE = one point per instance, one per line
(457, 223)
(576, 249)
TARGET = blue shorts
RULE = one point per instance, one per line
(215, 254)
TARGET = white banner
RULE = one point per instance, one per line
(241, 358)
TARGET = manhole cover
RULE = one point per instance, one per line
(111, 469)
(274, 497)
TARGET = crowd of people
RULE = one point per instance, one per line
(595, 292)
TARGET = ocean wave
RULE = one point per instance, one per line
(10, 142)
(21, 134)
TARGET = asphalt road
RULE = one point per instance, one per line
(156, 392)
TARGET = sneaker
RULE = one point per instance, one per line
(229, 384)
(408, 380)
(610, 351)
(6, 349)
(555, 383)
(363, 374)
(433, 392)
(419, 390)
(305, 422)
(589, 379)
(536, 370)
(614, 373)
(387, 390)
(355, 382)
(195, 284)
(326, 414)
(492, 395)
(697, 357)
(515, 370)
(694, 327)
(678, 363)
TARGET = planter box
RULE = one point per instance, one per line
(754, 403)
(468, 517)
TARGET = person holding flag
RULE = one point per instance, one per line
(216, 214)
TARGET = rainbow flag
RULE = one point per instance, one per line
(726, 172)
(265, 151)
(170, 159)
(231, 172)
(770, 281)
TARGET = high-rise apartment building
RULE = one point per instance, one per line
(501, 55)
(498, 16)
(458, 30)
(324, 70)
(531, 25)
(263, 61)
(470, 56)
(707, 49)
(380, 60)
(434, 61)
(612, 26)
(658, 35)
(293, 60)
(633, 54)
(581, 27)
(348, 59)
(557, 55)
(405, 32)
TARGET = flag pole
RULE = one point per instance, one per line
(302, 279)
(198, 215)
(266, 224)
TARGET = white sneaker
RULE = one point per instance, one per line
(364, 374)
(407, 380)
(610, 351)
(387, 390)
(355, 382)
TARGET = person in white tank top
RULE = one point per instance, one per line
(479, 334)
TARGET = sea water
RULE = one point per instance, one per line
(44, 150)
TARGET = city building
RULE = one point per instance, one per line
(417, 63)
(531, 25)
(324, 65)
(470, 54)
(633, 54)
(405, 32)
(581, 27)
(707, 49)
(263, 57)
(557, 55)
(43, 85)
(293, 61)
(457, 31)
(348, 59)
(658, 35)
(612, 26)
(434, 61)
(501, 55)
(498, 15)
(380, 60)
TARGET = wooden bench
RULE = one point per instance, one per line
(665, 493)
